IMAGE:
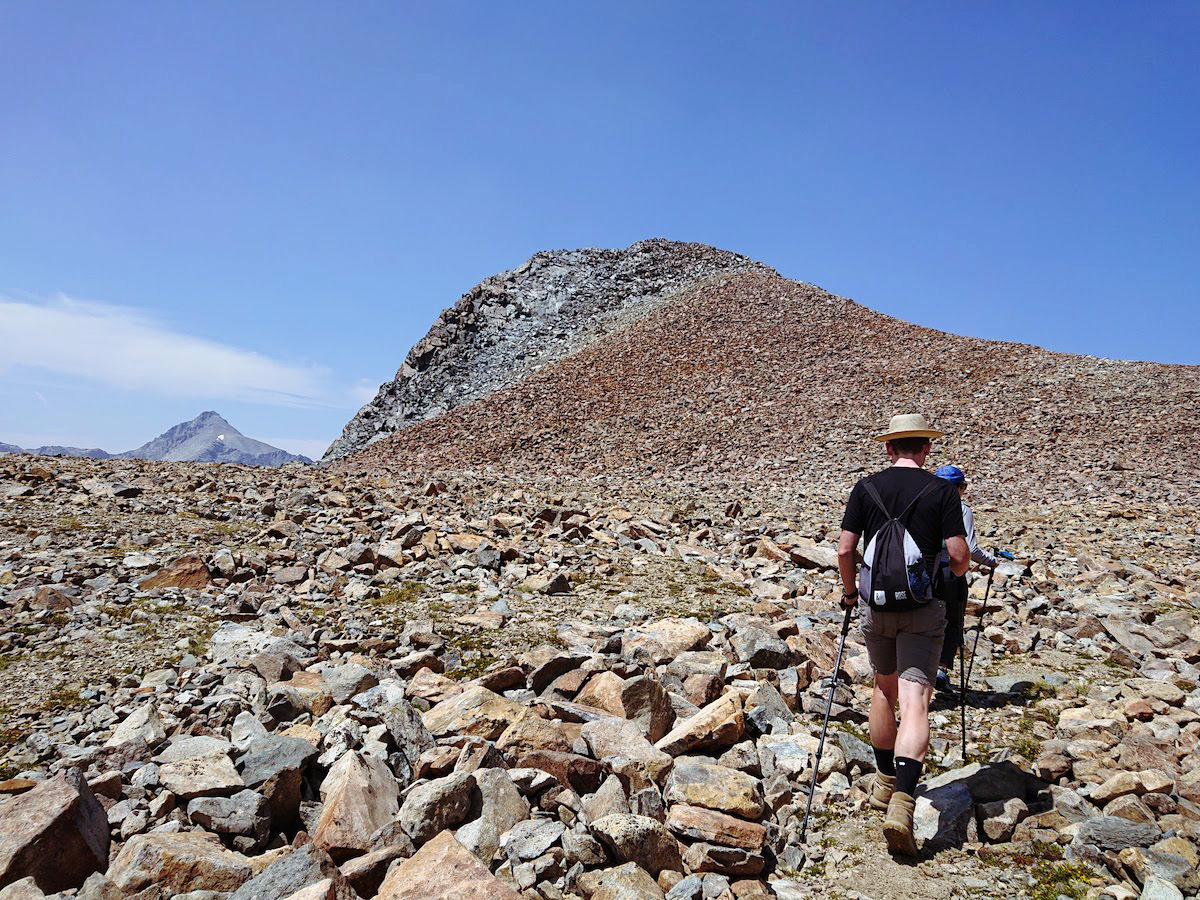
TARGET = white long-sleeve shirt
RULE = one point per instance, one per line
(979, 556)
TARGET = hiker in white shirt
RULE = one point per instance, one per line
(955, 591)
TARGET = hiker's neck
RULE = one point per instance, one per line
(907, 462)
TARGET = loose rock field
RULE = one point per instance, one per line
(218, 681)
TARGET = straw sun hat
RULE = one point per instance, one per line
(909, 425)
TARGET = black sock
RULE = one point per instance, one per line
(885, 761)
(908, 773)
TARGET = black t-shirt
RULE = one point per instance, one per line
(937, 515)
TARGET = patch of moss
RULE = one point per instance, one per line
(405, 593)
(62, 698)
(471, 668)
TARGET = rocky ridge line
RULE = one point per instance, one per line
(522, 320)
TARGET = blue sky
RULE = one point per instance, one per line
(259, 207)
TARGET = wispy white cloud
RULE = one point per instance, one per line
(362, 392)
(127, 348)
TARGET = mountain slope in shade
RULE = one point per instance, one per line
(210, 438)
(55, 450)
(752, 378)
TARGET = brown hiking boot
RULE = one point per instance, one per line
(882, 787)
(898, 825)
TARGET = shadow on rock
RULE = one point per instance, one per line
(979, 802)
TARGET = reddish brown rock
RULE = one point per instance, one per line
(698, 824)
(172, 864)
(719, 724)
(443, 870)
(62, 814)
(361, 795)
(187, 572)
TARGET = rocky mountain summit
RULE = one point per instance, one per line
(520, 321)
(753, 378)
(206, 438)
(226, 682)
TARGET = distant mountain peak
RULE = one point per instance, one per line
(211, 438)
(207, 438)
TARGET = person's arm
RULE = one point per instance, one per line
(853, 524)
(847, 544)
(960, 556)
(955, 533)
(978, 554)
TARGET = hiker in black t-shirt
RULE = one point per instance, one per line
(903, 646)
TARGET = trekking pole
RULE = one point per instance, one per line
(962, 691)
(979, 628)
(837, 666)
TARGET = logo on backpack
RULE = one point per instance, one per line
(895, 575)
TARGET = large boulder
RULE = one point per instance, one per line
(188, 572)
(639, 839)
(274, 766)
(63, 814)
(140, 725)
(172, 864)
(436, 805)
(443, 870)
(697, 824)
(501, 806)
(246, 815)
(288, 874)
(620, 745)
(361, 795)
(720, 724)
(698, 782)
(477, 712)
(626, 882)
(211, 774)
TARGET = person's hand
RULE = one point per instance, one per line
(849, 599)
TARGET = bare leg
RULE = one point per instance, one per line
(912, 737)
(882, 721)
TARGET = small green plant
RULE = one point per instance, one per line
(68, 523)
(62, 698)
(1058, 879)
(1039, 690)
(199, 641)
(406, 593)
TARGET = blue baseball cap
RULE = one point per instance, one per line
(952, 474)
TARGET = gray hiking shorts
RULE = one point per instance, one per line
(905, 642)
